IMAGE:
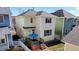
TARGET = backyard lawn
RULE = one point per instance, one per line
(58, 47)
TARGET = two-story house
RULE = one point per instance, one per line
(64, 23)
(5, 28)
(42, 22)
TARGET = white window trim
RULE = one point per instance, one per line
(47, 35)
(49, 20)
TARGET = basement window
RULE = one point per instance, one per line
(2, 40)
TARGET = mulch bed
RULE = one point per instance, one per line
(53, 42)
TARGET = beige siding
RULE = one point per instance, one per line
(47, 26)
(37, 24)
(40, 24)
(19, 22)
(71, 47)
(23, 21)
(27, 21)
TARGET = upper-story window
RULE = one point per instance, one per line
(77, 22)
(31, 20)
(67, 19)
(1, 19)
(48, 20)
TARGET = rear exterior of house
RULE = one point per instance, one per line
(24, 23)
(5, 28)
(43, 23)
(24, 26)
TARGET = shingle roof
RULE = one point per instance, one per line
(39, 13)
(58, 13)
(25, 12)
(62, 13)
(72, 37)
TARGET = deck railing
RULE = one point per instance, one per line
(19, 43)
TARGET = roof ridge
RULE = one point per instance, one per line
(25, 12)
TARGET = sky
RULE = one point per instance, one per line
(17, 10)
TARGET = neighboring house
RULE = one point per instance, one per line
(64, 23)
(42, 22)
(6, 28)
(77, 21)
(72, 40)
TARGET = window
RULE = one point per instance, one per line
(73, 26)
(9, 38)
(33, 30)
(67, 19)
(4, 17)
(2, 40)
(1, 19)
(31, 20)
(75, 20)
(47, 32)
(48, 20)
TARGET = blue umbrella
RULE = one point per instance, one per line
(33, 36)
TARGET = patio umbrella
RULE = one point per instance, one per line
(33, 36)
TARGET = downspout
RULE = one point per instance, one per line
(7, 40)
(11, 26)
(63, 28)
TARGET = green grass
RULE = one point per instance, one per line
(58, 47)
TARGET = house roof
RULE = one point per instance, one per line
(25, 12)
(72, 37)
(39, 13)
(31, 12)
(63, 13)
(5, 10)
(44, 14)
(77, 17)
